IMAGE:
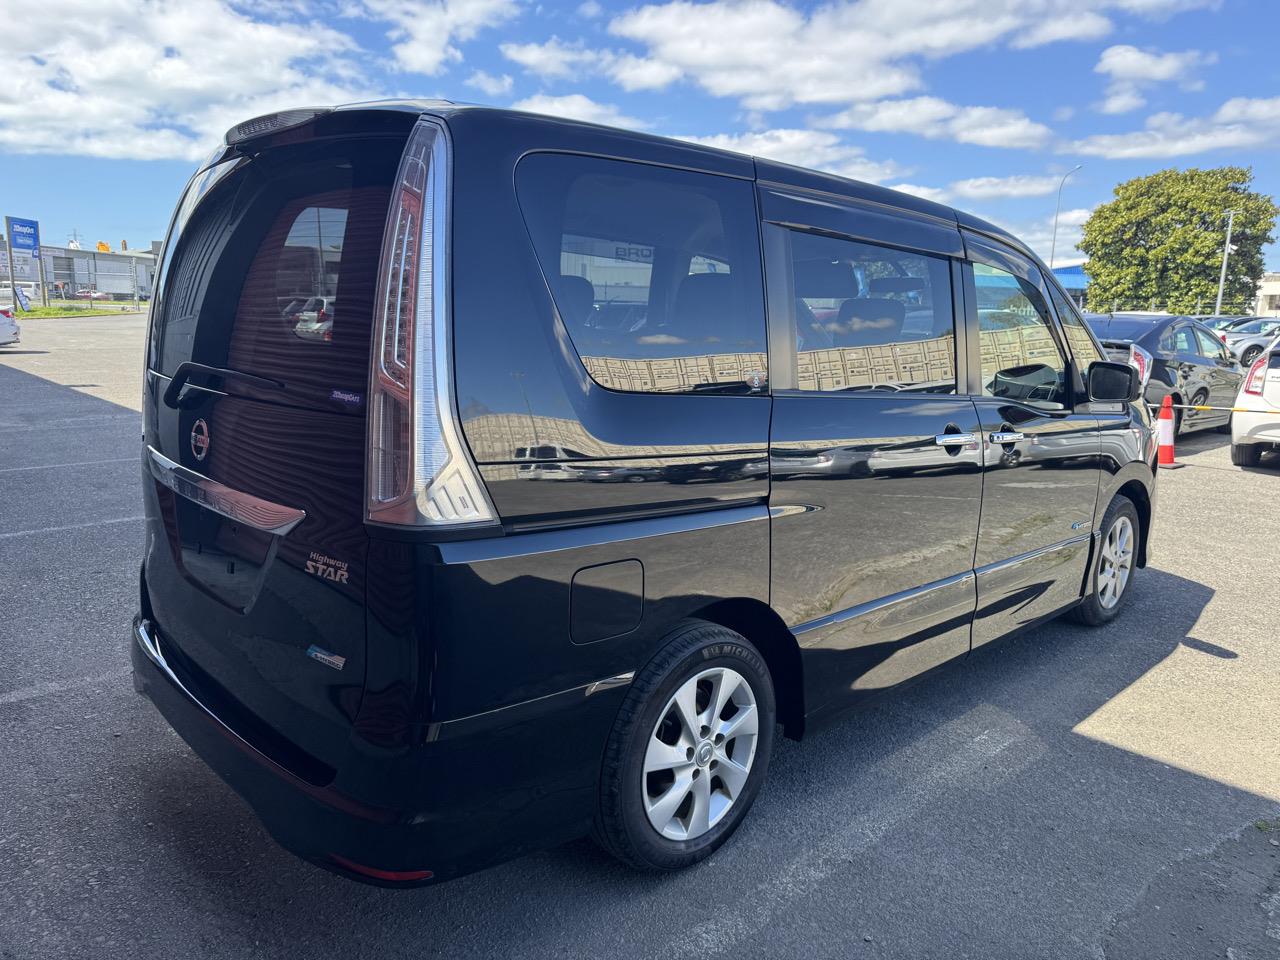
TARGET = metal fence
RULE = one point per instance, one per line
(83, 276)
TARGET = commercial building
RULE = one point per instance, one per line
(1268, 302)
(127, 275)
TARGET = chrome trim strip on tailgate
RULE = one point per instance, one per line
(233, 504)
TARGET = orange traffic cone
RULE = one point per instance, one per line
(1164, 431)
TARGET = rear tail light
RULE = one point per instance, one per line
(1223, 336)
(1253, 383)
(419, 472)
(6, 313)
(1140, 360)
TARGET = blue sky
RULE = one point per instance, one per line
(981, 103)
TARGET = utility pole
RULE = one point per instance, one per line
(1053, 246)
(1226, 252)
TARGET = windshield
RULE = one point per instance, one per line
(1255, 326)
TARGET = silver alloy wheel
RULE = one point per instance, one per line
(700, 753)
(1116, 563)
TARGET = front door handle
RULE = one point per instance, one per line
(1006, 436)
(955, 439)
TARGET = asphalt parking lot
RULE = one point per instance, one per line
(1070, 793)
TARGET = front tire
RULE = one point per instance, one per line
(1111, 577)
(688, 752)
(1250, 355)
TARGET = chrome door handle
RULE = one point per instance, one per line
(1006, 436)
(955, 439)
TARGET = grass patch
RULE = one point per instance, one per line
(71, 310)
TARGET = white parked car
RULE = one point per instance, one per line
(10, 332)
(1252, 433)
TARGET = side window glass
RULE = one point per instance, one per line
(871, 317)
(654, 272)
(1074, 329)
(1020, 359)
(1210, 346)
(1183, 342)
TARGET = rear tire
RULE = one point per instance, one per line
(1111, 575)
(655, 758)
(1246, 454)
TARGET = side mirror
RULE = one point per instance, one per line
(1113, 382)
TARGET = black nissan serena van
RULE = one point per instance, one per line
(610, 456)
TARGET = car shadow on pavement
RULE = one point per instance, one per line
(971, 782)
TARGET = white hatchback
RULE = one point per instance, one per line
(1254, 432)
(10, 332)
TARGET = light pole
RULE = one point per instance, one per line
(1226, 252)
(1053, 246)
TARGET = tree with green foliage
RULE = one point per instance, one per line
(1160, 240)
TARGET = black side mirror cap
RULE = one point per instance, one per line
(1113, 382)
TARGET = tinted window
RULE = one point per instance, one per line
(275, 273)
(870, 317)
(1073, 327)
(654, 272)
(1020, 358)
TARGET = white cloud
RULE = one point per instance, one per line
(771, 55)
(590, 9)
(1020, 185)
(490, 85)
(425, 33)
(1131, 71)
(575, 106)
(816, 149)
(556, 60)
(1240, 122)
(935, 118)
(1038, 235)
(552, 60)
(105, 78)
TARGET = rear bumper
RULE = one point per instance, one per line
(408, 817)
(1255, 428)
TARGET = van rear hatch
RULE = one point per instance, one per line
(257, 370)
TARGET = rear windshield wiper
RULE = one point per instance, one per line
(188, 369)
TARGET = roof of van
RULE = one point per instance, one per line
(766, 170)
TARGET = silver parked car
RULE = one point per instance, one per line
(1249, 339)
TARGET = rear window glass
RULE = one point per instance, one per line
(275, 273)
(1130, 330)
(654, 272)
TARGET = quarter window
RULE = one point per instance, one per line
(655, 272)
(871, 317)
(1073, 327)
(1020, 358)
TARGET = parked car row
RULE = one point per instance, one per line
(1178, 357)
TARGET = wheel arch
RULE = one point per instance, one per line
(760, 624)
(1137, 494)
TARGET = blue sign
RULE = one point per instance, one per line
(24, 234)
(23, 301)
